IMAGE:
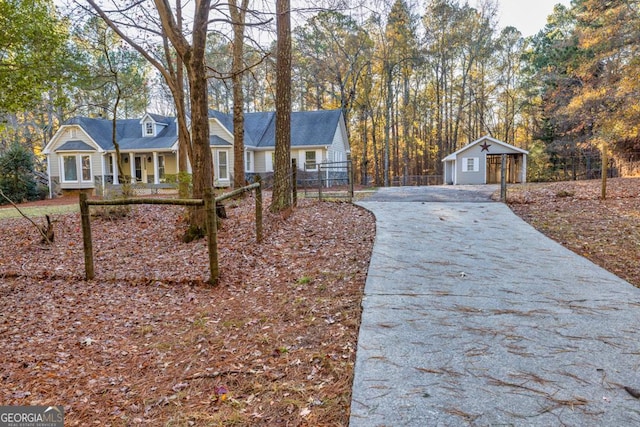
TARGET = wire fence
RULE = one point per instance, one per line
(582, 167)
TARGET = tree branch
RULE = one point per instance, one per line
(44, 236)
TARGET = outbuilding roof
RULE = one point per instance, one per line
(451, 157)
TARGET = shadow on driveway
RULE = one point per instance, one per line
(435, 193)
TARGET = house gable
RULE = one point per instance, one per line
(494, 146)
(152, 125)
(72, 137)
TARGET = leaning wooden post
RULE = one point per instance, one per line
(212, 234)
(605, 171)
(259, 209)
(503, 179)
(294, 181)
(350, 177)
(319, 182)
(85, 220)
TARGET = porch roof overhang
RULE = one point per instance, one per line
(75, 146)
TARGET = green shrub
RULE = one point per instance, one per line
(16, 175)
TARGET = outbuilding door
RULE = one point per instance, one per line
(494, 166)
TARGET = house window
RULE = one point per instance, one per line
(160, 167)
(71, 164)
(86, 168)
(248, 160)
(72, 132)
(110, 164)
(470, 164)
(69, 169)
(310, 161)
(223, 170)
(148, 128)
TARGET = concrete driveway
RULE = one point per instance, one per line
(472, 317)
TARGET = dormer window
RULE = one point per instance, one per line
(73, 132)
(148, 129)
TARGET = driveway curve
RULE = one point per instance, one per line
(472, 317)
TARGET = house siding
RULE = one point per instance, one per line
(170, 163)
(260, 159)
(216, 130)
(471, 177)
(337, 151)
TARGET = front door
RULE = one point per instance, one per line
(138, 169)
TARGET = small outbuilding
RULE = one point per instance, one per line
(480, 162)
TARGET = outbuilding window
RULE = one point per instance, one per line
(470, 164)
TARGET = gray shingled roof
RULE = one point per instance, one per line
(308, 128)
(75, 146)
(215, 140)
(128, 133)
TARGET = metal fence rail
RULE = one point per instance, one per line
(328, 180)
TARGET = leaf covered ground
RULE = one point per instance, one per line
(605, 231)
(149, 343)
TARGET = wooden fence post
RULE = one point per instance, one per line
(294, 181)
(319, 181)
(605, 171)
(212, 234)
(351, 179)
(85, 220)
(503, 179)
(259, 209)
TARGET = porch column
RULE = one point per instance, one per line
(132, 167)
(116, 172)
(524, 168)
(156, 170)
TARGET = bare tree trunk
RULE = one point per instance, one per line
(202, 161)
(365, 143)
(282, 184)
(184, 133)
(387, 126)
(238, 17)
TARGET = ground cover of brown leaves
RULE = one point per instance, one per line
(148, 343)
(605, 231)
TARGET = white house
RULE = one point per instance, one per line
(81, 155)
(480, 163)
